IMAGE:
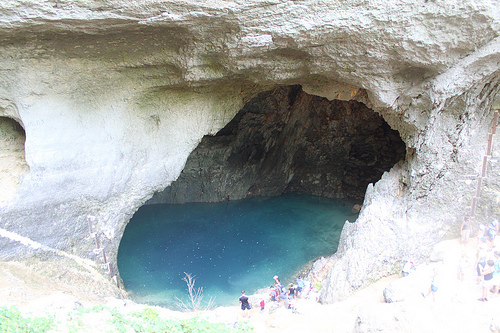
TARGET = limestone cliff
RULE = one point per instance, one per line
(112, 97)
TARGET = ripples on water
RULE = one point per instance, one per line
(228, 246)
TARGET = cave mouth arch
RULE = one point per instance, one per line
(288, 141)
(283, 142)
(13, 164)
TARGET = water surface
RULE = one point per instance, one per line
(227, 246)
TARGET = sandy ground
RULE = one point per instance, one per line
(24, 283)
(38, 287)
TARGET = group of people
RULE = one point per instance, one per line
(485, 235)
(487, 256)
(278, 293)
(245, 304)
(487, 261)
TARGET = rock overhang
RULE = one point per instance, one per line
(383, 49)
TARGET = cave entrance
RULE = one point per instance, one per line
(13, 164)
(288, 141)
(298, 162)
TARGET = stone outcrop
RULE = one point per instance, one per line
(113, 96)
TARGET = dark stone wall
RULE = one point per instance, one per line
(286, 140)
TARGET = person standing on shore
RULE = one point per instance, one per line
(481, 254)
(280, 289)
(465, 230)
(291, 291)
(273, 294)
(300, 286)
(244, 301)
(487, 274)
(433, 287)
(492, 231)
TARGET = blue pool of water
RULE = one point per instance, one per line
(228, 247)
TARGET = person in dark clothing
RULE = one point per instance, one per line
(487, 274)
(291, 291)
(244, 301)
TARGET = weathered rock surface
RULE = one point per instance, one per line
(114, 95)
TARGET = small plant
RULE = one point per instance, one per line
(11, 320)
(147, 320)
(201, 325)
(195, 296)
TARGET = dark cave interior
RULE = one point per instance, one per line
(287, 141)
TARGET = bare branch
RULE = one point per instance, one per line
(195, 296)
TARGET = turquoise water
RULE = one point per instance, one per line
(228, 247)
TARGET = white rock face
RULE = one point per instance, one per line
(114, 95)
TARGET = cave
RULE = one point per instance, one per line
(13, 164)
(288, 141)
(116, 100)
(283, 142)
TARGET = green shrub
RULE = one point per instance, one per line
(12, 321)
(148, 320)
